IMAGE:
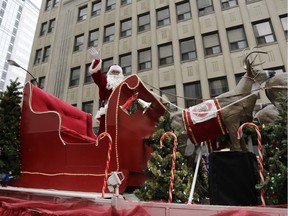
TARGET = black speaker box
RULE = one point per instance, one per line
(232, 178)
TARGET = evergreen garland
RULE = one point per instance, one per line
(275, 158)
(10, 112)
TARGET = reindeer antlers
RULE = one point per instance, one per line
(246, 63)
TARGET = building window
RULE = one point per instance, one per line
(96, 8)
(163, 17)
(48, 4)
(143, 22)
(237, 38)
(218, 86)
(87, 107)
(46, 54)
(43, 28)
(55, 3)
(188, 49)
(93, 38)
(238, 77)
(192, 94)
(109, 33)
(125, 2)
(211, 44)
(251, 1)
(263, 33)
(165, 54)
(74, 77)
(125, 62)
(284, 25)
(51, 25)
(106, 65)
(41, 82)
(37, 59)
(144, 59)
(79, 42)
(228, 3)
(183, 11)
(82, 14)
(126, 28)
(204, 7)
(110, 4)
(88, 77)
(170, 93)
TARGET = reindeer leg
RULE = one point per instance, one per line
(243, 144)
(235, 143)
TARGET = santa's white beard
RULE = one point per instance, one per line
(114, 80)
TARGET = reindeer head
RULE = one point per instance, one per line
(252, 72)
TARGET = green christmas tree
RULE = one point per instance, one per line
(10, 112)
(156, 187)
(275, 158)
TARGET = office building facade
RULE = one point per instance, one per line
(188, 50)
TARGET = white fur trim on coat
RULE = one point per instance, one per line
(95, 69)
(101, 111)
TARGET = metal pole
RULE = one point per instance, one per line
(195, 175)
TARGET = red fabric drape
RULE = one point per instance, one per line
(18, 207)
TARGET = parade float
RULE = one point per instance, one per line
(137, 166)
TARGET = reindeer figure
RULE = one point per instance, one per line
(233, 108)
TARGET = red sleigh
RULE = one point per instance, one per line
(58, 148)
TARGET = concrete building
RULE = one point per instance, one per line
(187, 48)
(18, 20)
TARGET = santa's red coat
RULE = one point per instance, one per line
(101, 81)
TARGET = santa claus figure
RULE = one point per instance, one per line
(106, 85)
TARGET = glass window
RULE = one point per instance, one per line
(88, 107)
(126, 28)
(106, 65)
(74, 77)
(163, 17)
(88, 77)
(51, 25)
(192, 94)
(125, 2)
(41, 82)
(109, 33)
(238, 77)
(93, 38)
(143, 22)
(165, 54)
(170, 93)
(218, 86)
(55, 3)
(183, 11)
(48, 4)
(82, 15)
(79, 42)
(144, 59)
(211, 44)
(37, 59)
(125, 62)
(110, 4)
(96, 8)
(237, 38)
(188, 49)
(43, 28)
(46, 54)
(204, 7)
(284, 25)
(263, 32)
(228, 3)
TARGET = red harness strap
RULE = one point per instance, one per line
(206, 130)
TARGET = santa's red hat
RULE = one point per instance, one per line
(116, 68)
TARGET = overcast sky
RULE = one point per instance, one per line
(37, 3)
